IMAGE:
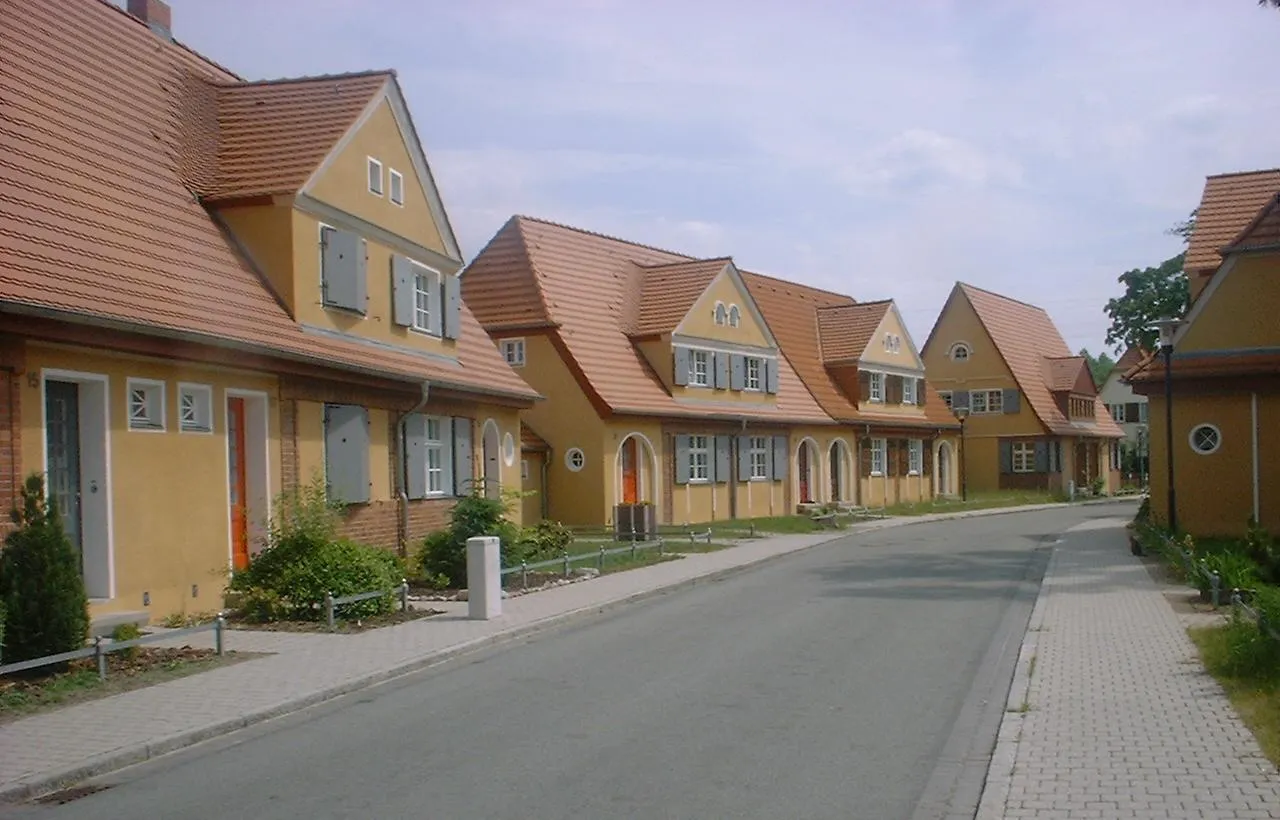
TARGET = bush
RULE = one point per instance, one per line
(1, 631)
(305, 558)
(1235, 570)
(1144, 512)
(444, 553)
(1264, 551)
(1250, 651)
(546, 539)
(41, 589)
(127, 632)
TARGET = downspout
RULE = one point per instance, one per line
(403, 473)
(14, 471)
(545, 470)
(1253, 401)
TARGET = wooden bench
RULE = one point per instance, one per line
(827, 520)
(694, 537)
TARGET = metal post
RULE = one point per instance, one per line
(633, 548)
(101, 656)
(1168, 436)
(1215, 584)
(964, 477)
(404, 594)
(524, 575)
(328, 609)
(219, 628)
(600, 559)
(566, 563)
(661, 546)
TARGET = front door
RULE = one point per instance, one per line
(630, 479)
(236, 484)
(834, 456)
(802, 468)
(62, 445)
(1082, 466)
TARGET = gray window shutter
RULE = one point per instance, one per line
(1042, 457)
(681, 373)
(346, 452)
(402, 296)
(770, 375)
(744, 458)
(721, 362)
(1006, 457)
(780, 457)
(463, 480)
(435, 307)
(960, 400)
(682, 459)
(920, 392)
(342, 258)
(447, 478)
(415, 455)
(722, 459)
(1012, 400)
(452, 307)
(737, 371)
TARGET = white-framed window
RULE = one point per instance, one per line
(375, 177)
(699, 458)
(946, 397)
(759, 455)
(513, 352)
(700, 368)
(195, 408)
(915, 456)
(435, 455)
(986, 401)
(575, 459)
(878, 449)
(735, 316)
(876, 382)
(1024, 457)
(1205, 439)
(146, 404)
(892, 343)
(1142, 412)
(754, 373)
(722, 314)
(1117, 411)
(908, 391)
(395, 181)
(426, 284)
(960, 352)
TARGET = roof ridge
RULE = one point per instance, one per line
(793, 283)
(690, 261)
(610, 237)
(124, 12)
(1002, 296)
(1244, 173)
(855, 304)
(312, 78)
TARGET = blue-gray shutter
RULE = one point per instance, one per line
(452, 307)
(920, 392)
(1042, 457)
(1006, 457)
(682, 459)
(402, 291)
(721, 363)
(462, 472)
(781, 451)
(737, 371)
(415, 455)
(343, 269)
(435, 306)
(960, 400)
(744, 458)
(681, 373)
(346, 452)
(722, 459)
(1012, 400)
(770, 375)
(447, 456)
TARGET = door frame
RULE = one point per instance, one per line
(943, 478)
(257, 470)
(488, 453)
(646, 470)
(813, 457)
(95, 441)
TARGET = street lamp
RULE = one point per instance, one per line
(1166, 328)
(962, 413)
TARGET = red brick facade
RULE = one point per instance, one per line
(11, 372)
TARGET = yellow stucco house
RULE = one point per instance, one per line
(212, 290)
(1033, 417)
(1225, 368)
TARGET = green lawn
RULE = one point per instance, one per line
(1252, 687)
(976, 501)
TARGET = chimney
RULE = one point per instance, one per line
(156, 14)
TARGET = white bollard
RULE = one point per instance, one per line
(484, 579)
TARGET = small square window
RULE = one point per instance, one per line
(195, 408)
(397, 186)
(375, 177)
(146, 404)
(908, 391)
(879, 447)
(513, 352)
(699, 458)
(700, 368)
(876, 387)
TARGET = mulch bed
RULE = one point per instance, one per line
(341, 625)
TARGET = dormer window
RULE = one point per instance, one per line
(908, 391)
(960, 352)
(722, 315)
(397, 187)
(735, 316)
(892, 343)
(876, 387)
(375, 177)
(700, 368)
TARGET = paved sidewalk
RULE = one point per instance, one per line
(1111, 714)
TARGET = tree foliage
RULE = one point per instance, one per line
(1100, 366)
(1149, 294)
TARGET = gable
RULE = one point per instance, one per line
(726, 290)
(1229, 203)
(1238, 310)
(959, 323)
(902, 354)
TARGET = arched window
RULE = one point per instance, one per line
(735, 316)
(721, 314)
(960, 352)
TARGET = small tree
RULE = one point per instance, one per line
(41, 589)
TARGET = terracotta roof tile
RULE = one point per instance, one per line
(1207, 365)
(1066, 373)
(845, 330)
(583, 283)
(97, 224)
(531, 441)
(1131, 357)
(1229, 203)
(668, 292)
(1263, 231)
(1026, 336)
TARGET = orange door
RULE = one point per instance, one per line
(630, 483)
(236, 483)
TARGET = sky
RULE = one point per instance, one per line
(1037, 149)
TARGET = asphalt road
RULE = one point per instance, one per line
(824, 685)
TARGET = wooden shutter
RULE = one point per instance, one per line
(864, 458)
(680, 374)
(720, 363)
(1041, 457)
(342, 261)
(721, 459)
(682, 459)
(926, 457)
(960, 400)
(403, 299)
(463, 474)
(781, 455)
(737, 371)
(1012, 400)
(920, 386)
(770, 367)
(892, 389)
(1006, 457)
(864, 386)
(346, 452)
(452, 307)
(415, 455)
(744, 458)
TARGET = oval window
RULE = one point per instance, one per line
(574, 459)
(1205, 439)
(509, 449)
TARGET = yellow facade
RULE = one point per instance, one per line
(266, 234)
(532, 466)
(1241, 315)
(700, 322)
(903, 356)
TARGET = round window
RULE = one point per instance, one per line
(574, 459)
(1205, 439)
(960, 352)
(509, 449)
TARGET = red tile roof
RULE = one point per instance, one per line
(845, 330)
(531, 441)
(667, 293)
(1132, 356)
(1262, 232)
(1229, 203)
(97, 224)
(1069, 374)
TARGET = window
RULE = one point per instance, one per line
(986, 401)
(699, 368)
(397, 187)
(915, 456)
(574, 459)
(1205, 439)
(524, 469)
(435, 456)
(699, 458)
(508, 449)
(960, 352)
(375, 177)
(759, 453)
(146, 404)
(513, 352)
(735, 316)
(878, 449)
(892, 343)
(908, 391)
(876, 387)
(754, 366)
(722, 315)
(1117, 411)
(946, 397)
(195, 408)
(1142, 412)
(424, 284)
(1024, 457)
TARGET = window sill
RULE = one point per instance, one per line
(877, 474)
(759, 480)
(196, 431)
(349, 311)
(913, 472)
(147, 429)
(699, 481)
(422, 331)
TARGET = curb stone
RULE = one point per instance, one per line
(36, 786)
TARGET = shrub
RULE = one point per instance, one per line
(1144, 511)
(444, 553)
(1, 631)
(1250, 651)
(127, 632)
(41, 589)
(546, 539)
(1264, 551)
(1235, 570)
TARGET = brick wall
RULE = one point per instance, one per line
(12, 361)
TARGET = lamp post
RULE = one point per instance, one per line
(962, 413)
(1166, 328)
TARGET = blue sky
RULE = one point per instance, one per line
(878, 149)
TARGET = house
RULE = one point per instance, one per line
(860, 363)
(1225, 367)
(1129, 409)
(213, 290)
(1033, 417)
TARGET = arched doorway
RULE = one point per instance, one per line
(806, 472)
(492, 468)
(944, 469)
(637, 468)
(838, 460)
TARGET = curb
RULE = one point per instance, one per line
(38, 785)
